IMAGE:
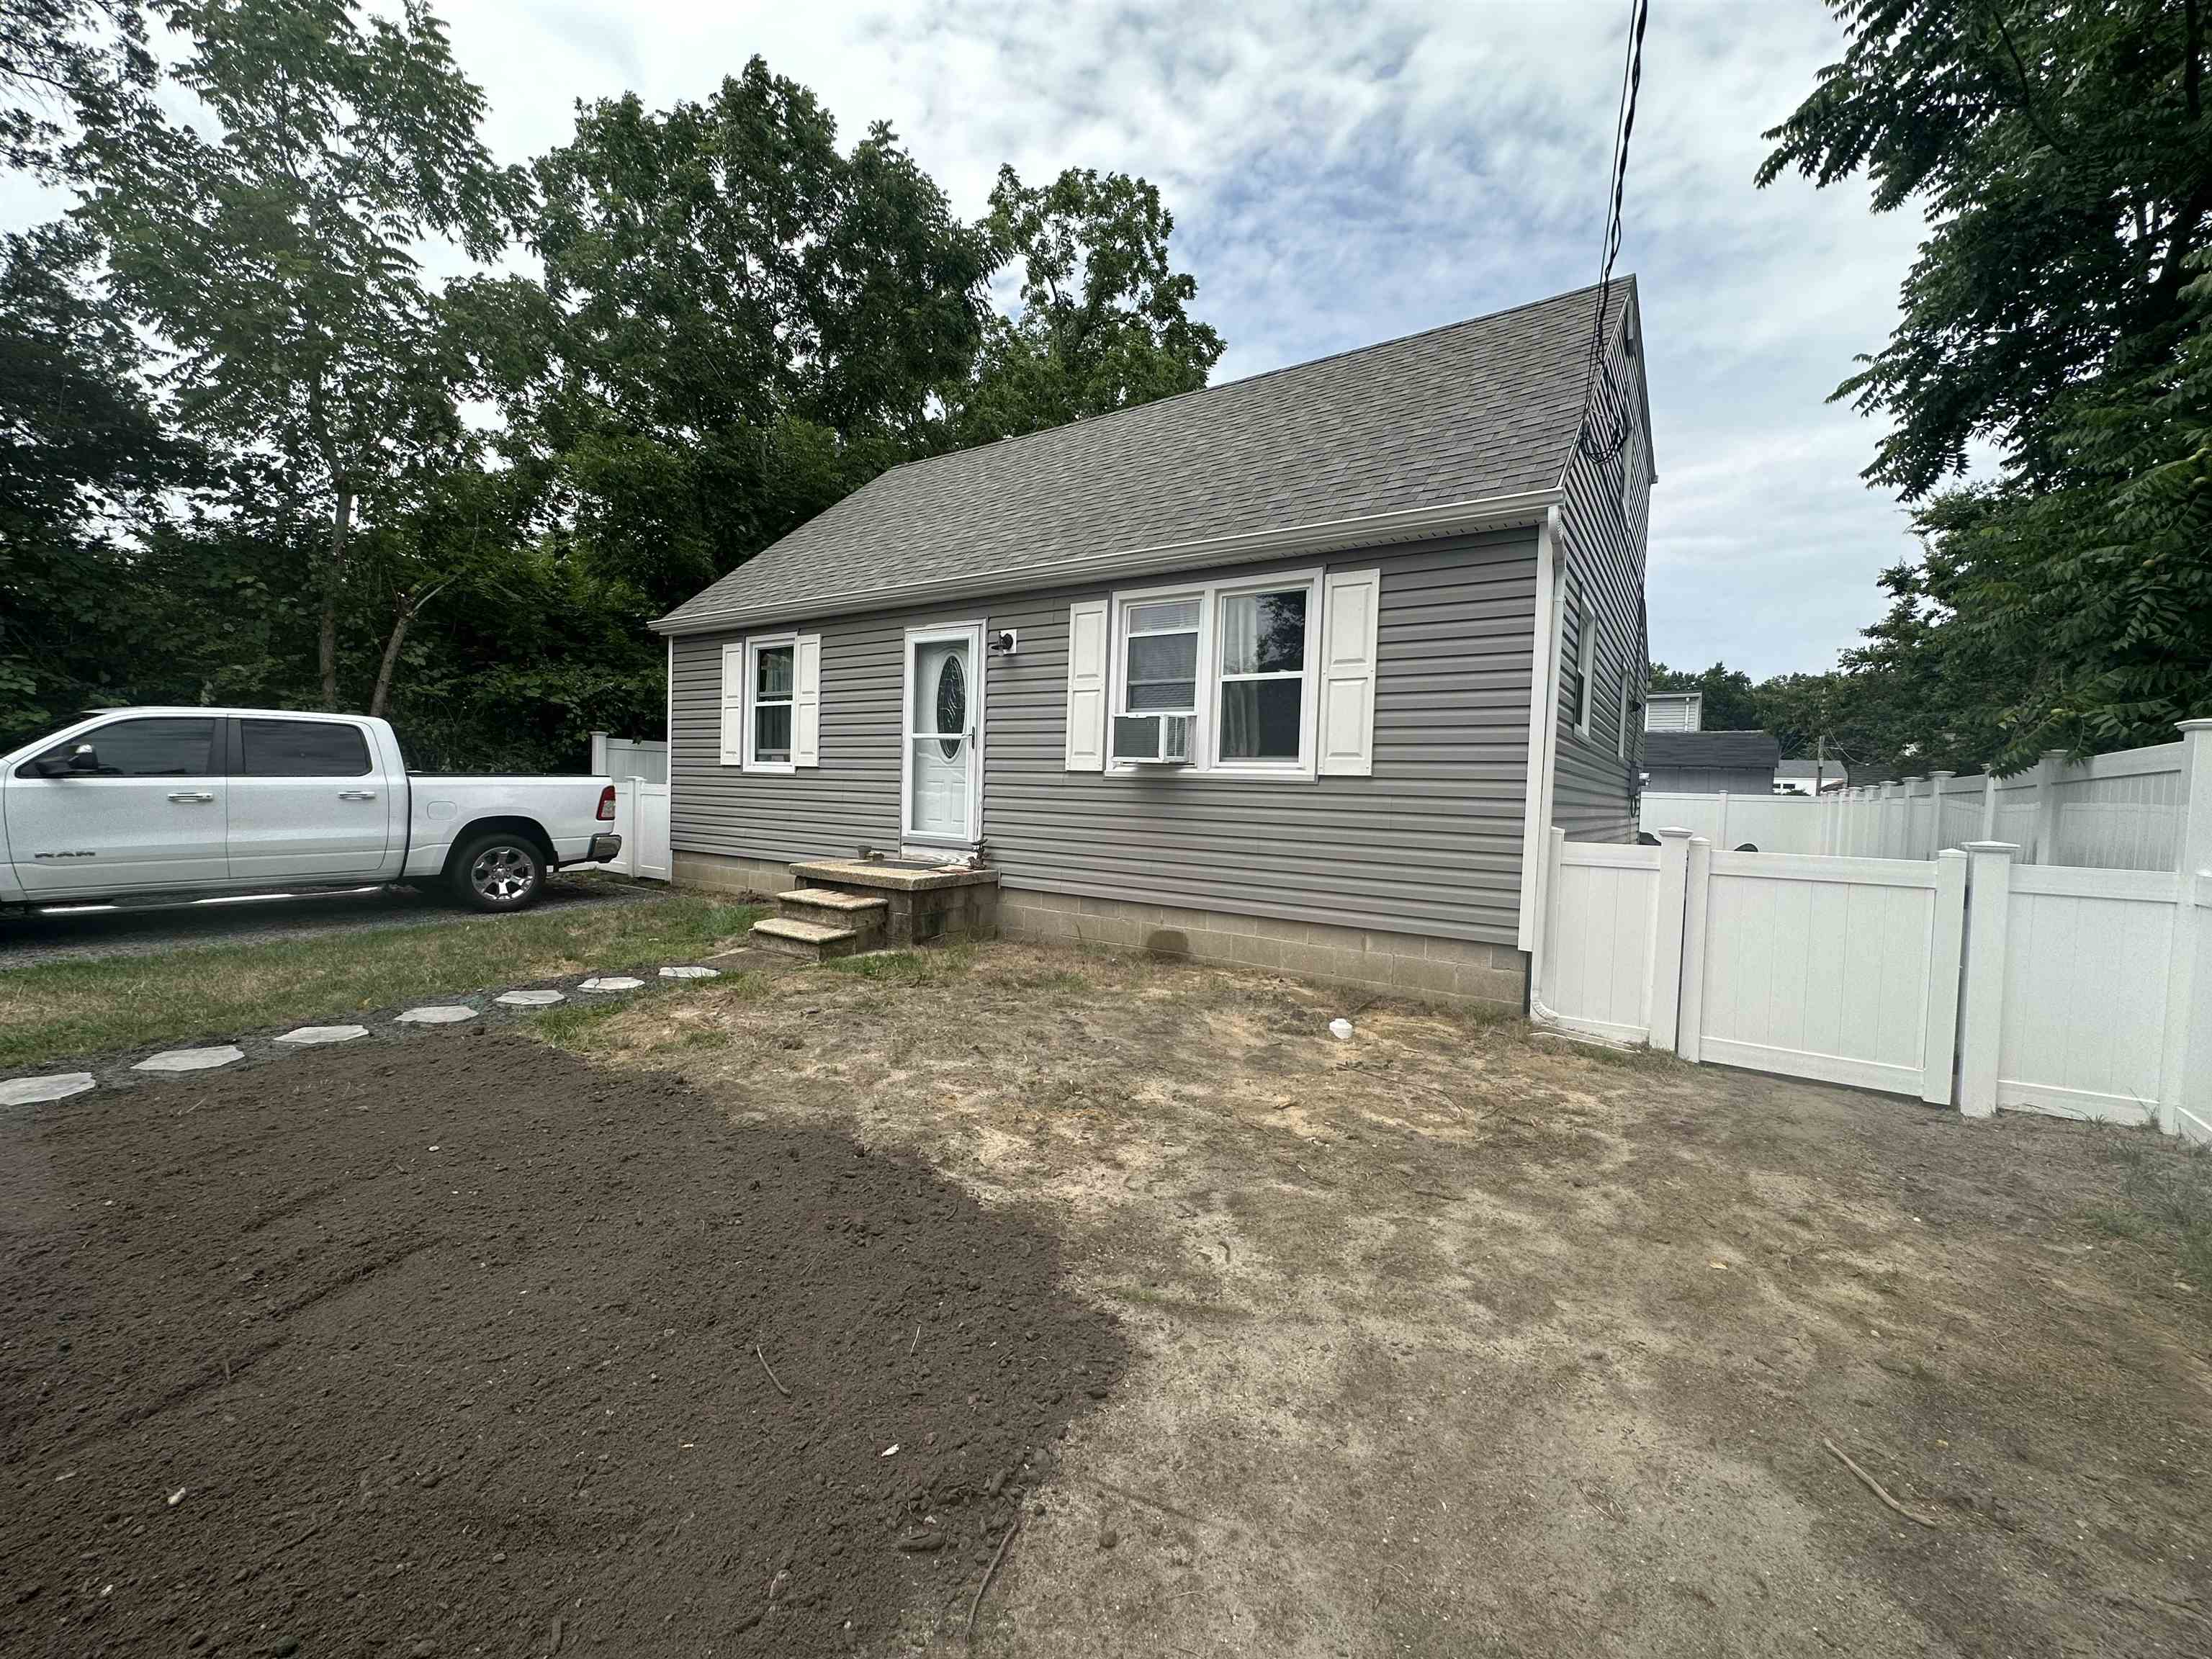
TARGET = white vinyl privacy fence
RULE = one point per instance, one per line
(1965, 976)
(2118, 811)
(639, 769)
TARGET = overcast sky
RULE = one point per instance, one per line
(1341, 174)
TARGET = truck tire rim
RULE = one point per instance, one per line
(501, 872)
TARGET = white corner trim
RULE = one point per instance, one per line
(1543, 717)
(1505, 512)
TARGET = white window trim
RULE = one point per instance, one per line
(1205, 759)
(1627, 702)
(754, 646)
(1585, 666)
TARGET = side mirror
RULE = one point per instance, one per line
(83, 759)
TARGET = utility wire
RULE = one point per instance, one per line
(1602, 436)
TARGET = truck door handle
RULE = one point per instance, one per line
(357, 794)
(191, 797)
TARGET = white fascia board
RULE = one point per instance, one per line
(1526, 507)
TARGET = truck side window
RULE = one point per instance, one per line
(303, 749)
(145, 748)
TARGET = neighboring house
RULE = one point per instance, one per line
(1292, 671)
(1710, 763)
(1673, 711)
(1797, 777)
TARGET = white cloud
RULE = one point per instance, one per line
(1340, 175)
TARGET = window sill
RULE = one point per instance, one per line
(1238, 774)
(778, 768)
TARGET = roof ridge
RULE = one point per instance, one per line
(1627, 280)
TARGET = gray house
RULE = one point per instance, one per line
(1710, 763)
(1292, 671)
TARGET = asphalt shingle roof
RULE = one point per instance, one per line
(1710, 749)
(1474, 410)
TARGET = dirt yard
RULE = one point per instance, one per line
(1446, 1340)
(451, 1347)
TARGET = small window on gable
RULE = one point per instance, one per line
(1585, 666)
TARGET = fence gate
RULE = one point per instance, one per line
(1843, 969)
(2054, 987)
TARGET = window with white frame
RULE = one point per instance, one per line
(1155, 700)
(1585, 665)
(1220, 679)
(770, 674)
(1263, 698)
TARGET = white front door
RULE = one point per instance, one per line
(142, 808)
(943, 719)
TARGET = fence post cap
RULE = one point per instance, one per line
(1942, 774)
(2001, 849)
(2202, 723)
(1671, 835)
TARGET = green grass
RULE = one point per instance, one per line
(908, 967)
(63, 1008)
(2166, 1197)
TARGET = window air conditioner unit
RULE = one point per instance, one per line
(1152, 739)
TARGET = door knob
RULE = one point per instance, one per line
(191, 797)
(357, 794)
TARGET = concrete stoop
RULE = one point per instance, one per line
(843, 906)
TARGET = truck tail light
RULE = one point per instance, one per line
(607, 804)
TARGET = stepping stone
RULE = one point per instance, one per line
(36, 1090)
(434, 1016)
(530, 999)
(307, 1036)
(690, 973)
(189, 1060)
(616, 982)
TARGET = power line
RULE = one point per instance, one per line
(1606, 444)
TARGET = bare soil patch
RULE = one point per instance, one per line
(449, 1347)
(1450, 1339)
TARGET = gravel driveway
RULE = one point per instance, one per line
(88, 935)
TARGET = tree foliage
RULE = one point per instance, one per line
(2059, 311)
(276, 256)
(1104, 319)
(254, 453)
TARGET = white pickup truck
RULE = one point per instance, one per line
(172, 804)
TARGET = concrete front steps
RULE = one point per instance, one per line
(817, 923)
(843, 906)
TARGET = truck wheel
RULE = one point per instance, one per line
(499, 871)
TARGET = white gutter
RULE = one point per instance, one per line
(1409, 524)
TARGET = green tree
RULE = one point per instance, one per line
(1730, 703)
(62, 61)
(84, 461)
(2062, 153)
(1104, 321)
(743, 323)
(275, 257)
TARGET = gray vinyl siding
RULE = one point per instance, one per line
(1709, 781)
(1430, 844)
(1594, 789)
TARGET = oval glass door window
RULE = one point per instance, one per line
(951, 705)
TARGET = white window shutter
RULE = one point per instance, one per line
(733, 703)
(806, 700)
(1349, 603)
(1086, 686)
